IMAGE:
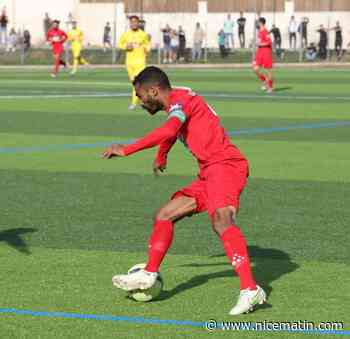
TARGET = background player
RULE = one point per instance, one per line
(137, 45)
(263, 57)
(222, 177)
(76, 37)
(56, 37)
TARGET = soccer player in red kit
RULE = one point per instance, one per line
(223, 172)
(263, 58)
(56, 37)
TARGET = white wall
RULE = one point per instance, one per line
(25, 14)
(92, 18)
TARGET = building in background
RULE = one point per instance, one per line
(93, 14)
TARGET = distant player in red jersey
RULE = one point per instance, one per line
(56, 37)
(223, 172)
(263, 57)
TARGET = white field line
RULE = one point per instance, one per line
(209, 95)
(55, 82)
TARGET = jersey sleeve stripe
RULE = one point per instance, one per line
(178, 114)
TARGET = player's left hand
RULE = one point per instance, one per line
(129, 46)
(158, 167)
(114, 150)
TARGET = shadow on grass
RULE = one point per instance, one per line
(13, 237)
(269, 265)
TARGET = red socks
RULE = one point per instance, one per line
(262, 77)
(236, 250)
(159, 243)
(233, 241)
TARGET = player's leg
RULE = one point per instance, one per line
(56, 66)
(61, 61)
(75, 54)
(137, 68)
(235, 246)
(131, 74)
(224, 185)
(162, 234)
(159, 243)
(81, 60)
(260, 75)
(269, 79)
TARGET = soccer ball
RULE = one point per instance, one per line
(149, 294)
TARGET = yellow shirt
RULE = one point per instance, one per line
(76, 37)
(141, 46)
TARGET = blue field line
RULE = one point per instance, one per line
(244, 131)
(289, 128)
(142, 320)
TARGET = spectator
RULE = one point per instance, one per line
(3, 27)
(302, 30)
(174, 45)
(277, 40)
(12, 41)
(47, 22)
(292, 31)
(198, 39)
(182, 43)
(323, 43)
(142, 24)
(166, 43)
(26, 41)
(311, 52)
(241, 29)
(228, 30)
(70, 21)
(222, 44)
(338, 40)
(107, 37)
(257, 26)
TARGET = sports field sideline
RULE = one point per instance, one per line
(70, 220)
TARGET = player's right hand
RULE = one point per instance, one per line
(114, 150)
(158, 167)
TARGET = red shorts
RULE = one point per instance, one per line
(57, 49)
(264, 58)
(218, 185)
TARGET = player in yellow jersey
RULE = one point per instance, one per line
(137, 45)
(76, 38)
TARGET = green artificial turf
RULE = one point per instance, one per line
(70, 220)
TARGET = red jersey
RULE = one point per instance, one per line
(264, 39)
(195, 123)
(56, 37)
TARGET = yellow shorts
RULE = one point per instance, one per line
(134, 70)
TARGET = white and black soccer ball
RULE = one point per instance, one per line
(148, 294)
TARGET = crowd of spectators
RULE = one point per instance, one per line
(175, 47)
